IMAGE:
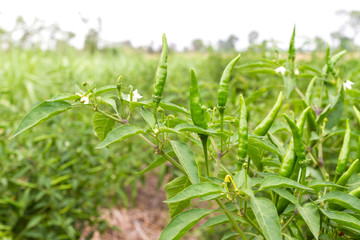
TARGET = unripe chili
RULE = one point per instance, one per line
(344, 153)
(345, 177)
(160, 76)
(223, 90)
(265, 125)
(288, 163)
(243, 130)
(197, 113)
(298, 142)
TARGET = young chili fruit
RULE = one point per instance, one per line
(223, 90)
(345, 177)
(265, 125)
(298, 142)
(160, 76)
(344, 153)
(288, 163)
(243, 130)
(197, 113)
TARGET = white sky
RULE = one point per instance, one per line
(144, 21)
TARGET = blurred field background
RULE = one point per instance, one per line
(55, 185)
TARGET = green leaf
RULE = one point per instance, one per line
(229, 235)
(263, 143)
(343, 199)
(148, 117)
(311, 217)
(266, 215)
(342, 218)
(187, 160)
(182, 223)
(102, 125)
(196, 191)
(263, 71)
(275, 181)
(255, 155)
(34, 221)
(41, 113)
(192, 128)
(289, 83)
(110, 102)
(173, 188)
(334, 115)
(220, 219)
(104, 89)
(119, 134)
(315, 184)
(285, 194)
(157, 162)
(64, 96)
(167, 106)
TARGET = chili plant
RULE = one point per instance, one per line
(265, 188)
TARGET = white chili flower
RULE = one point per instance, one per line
(135, 96)
(281, 70)
(347, 84)
(296, 72)
(85, 100)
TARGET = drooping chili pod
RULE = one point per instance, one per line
(223, 90)
(265, 125)
(344, 153)
(243, 131)
(197, 113)
(345, 177)
(160, 76)
(288, 163)
(302, 119)
(298, 142)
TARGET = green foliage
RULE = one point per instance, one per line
(43, 193)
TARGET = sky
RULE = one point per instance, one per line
(143, 21)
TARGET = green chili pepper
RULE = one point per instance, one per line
(160, 76)
(243, 131)
(265, 125)
(302, 119)
(197, 113)
(295, 230)
(345, 177)
(344, 153)
(223, 90)
(288, 163)
(282, 205)
(298, 142)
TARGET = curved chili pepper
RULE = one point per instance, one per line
(265, 125)
(243, 130)
(345, 177)
(197, 113)
(160, 76)
(288, 163)
(344, 153)
(298, 142)
(223, 90)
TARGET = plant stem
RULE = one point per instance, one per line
(204, 139)
(287, 222)
(235, 225)
(173, 162)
